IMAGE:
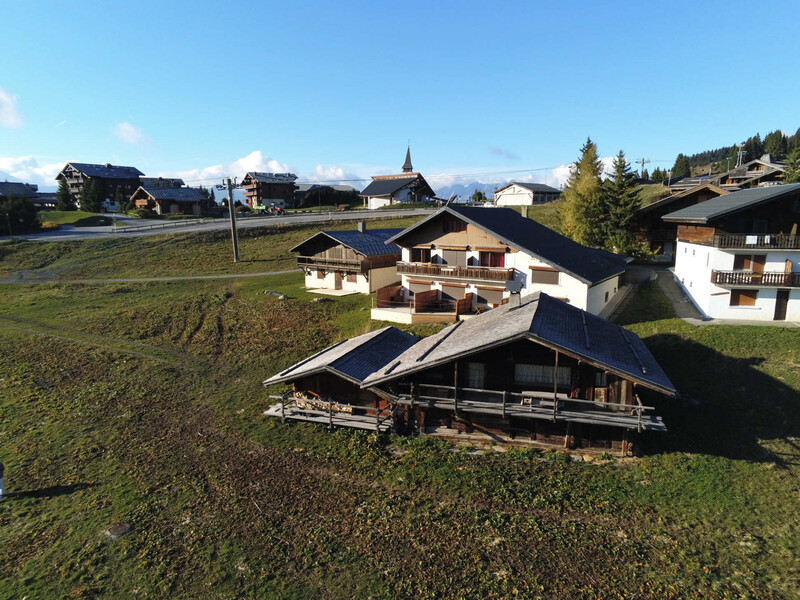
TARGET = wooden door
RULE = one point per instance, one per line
(781, 304)
(337, 280)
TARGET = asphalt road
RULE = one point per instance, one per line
(68, 232)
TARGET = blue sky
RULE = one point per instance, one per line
(334, 90)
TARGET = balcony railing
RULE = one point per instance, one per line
(487, 273)
(751, 279)
(779, 241)
(330, 263)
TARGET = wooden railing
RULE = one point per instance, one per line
(779, 241)
(488, 273)
(749, 278)
(330, 263)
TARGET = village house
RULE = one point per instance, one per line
(462, 260)
(518, 193)
(738, 255)
(326, 388)
(658, 235)
(171, 201)
(108, 179)
(408, 186)
(269, 189)
(537, 371)
(357, 261)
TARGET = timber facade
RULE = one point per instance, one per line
(269, 189)
(107, 177)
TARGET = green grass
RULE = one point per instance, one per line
(546, 214)
(76, 218)
(142, 403)
(651, 193)
(262, 249)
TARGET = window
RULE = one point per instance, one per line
(453, 225)
(490, 295)
(351, 278)
(606, 296)
(421, 255)
(545, 275)
(750, 262)
(600, 379)
(454, 258)
(743, 297)
(492, 259)
(476, 375)
(320, 274)
(540, 374)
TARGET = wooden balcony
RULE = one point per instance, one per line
(533, 405)
(779, 241)
(474, 273)
(315, 262)
(752, 279)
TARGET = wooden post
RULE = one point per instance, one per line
(505, 396)
(455, 386)
(283, 407)
(555, 387)
(566, 436)
(330, 414)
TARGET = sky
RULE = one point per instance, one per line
(337, 90)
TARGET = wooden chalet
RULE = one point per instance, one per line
(359, 261)
(659, 235)
(267, 189)
(539, 371)
(108, 178)
(326, 387)
(172, 201)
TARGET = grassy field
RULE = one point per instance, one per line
(141, 403)
(262, 249)
(77, 218)
(546, 214)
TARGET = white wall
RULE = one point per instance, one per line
(379, 278)
(514, 196)
(375, 203)
(596, 301)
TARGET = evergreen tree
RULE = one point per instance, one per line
(754, 147)
(120, 198)
(63, 198)
(792, 173)
(581, 195)
(90, 196)
(776, 144)
(682, 167)
(213, 198)
(18, 216)
(658, 175)
(645, 175)
(478, 196)
(619, 200)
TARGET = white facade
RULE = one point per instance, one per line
(517, 195)
(694, 264)
(374, 202)
(363, 284)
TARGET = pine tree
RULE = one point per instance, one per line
(120, 199)
(682, 167)
(90, 196)
(754, 147)
(619, 200)
(213, 198)
(792, 173)
(646, 175)
(582, 197)
(658, 175)
(63, 198)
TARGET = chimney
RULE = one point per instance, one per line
(362, 226)
(514, 299)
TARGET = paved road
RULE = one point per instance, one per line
(20, 278)
(68, 232)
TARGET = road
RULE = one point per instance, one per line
(68, 232)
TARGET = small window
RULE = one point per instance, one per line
(600, 379)
(320, 274)
(606, 296)
(453, 225)
(492, 259)
(544, 275)
(351, 278)
(744, 297)
(540, 374)
(421, 255)
(476, 375)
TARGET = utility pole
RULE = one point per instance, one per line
(232, 212)
(643, 162)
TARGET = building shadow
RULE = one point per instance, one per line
(49, 492)
(726, 408)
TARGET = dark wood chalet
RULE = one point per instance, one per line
(108, 178)
(171, 201)
(266, 189)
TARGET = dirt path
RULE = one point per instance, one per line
(20, 278)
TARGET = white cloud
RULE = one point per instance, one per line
(333, 174)
(9, 115)
(130, 134)
(28, 170)
(211, 175)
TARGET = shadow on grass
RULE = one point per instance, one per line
(94, 221)
(49, 492)
(727, 405)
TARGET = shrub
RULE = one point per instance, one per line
(242, 209)
(343, 207)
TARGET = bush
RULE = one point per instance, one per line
(242, 209)
(143, 213)
(343, 207)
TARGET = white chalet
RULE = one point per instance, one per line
(407, 186)
(525, 194)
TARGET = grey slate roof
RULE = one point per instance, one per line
(542, 319)
(353, 359)
(16, 189)
(589, 265)
(388, 186)
(107, 171)
(272, 177)
(162, 181)
(731, 203)
(167, 194)
(534, 187)
(370, 243)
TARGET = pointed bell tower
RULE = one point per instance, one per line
(407, 168)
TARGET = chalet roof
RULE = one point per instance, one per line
(589, 265)
(16, 189)
(688, 192)
(162, 181)
(106, 171)
(352, 359)
(371, 242)
(391, 184)
(271, 177)
(534, 187)
(544, 320)
(307, 187)
(731, 203)
(169, 194)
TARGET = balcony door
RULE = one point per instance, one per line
(750, 262)
(781, 304)
(454, 258)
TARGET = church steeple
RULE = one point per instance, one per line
(407, 168)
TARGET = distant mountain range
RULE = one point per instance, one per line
(465, 190)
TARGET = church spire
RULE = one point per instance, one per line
(407, 168)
